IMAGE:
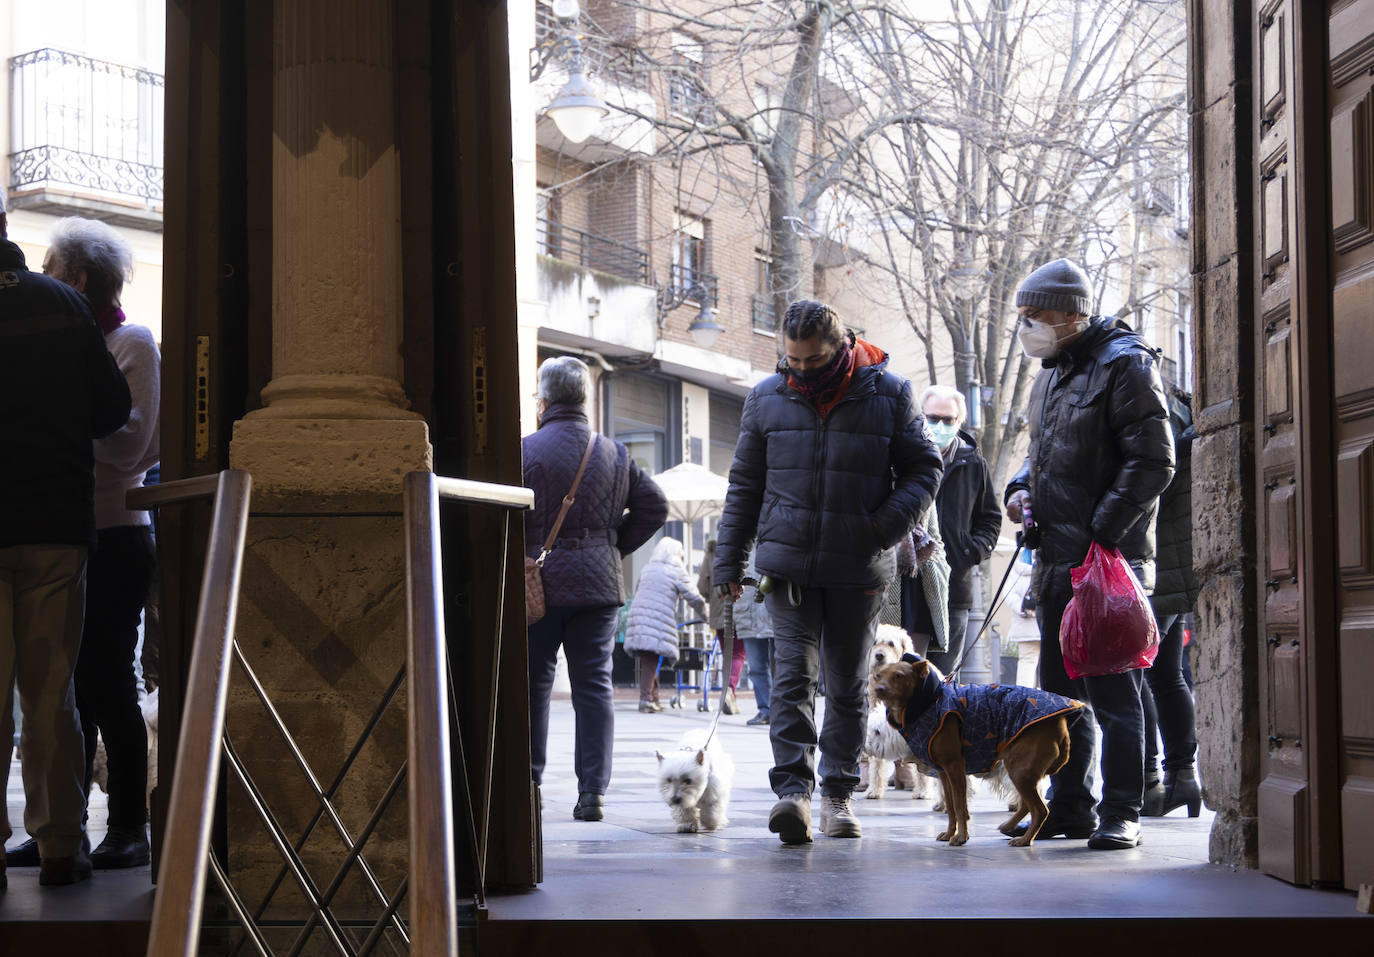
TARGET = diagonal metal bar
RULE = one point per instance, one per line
(333, 788)
(325, 805)
(379, 928)
(355, 853)
(288, 854)
(240, 909)
(459, 763)
(495, 685)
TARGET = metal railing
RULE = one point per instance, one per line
(433, 767)
(688, 284)
(761, 308)
(590, 250)
(186, 856)
(85, 123)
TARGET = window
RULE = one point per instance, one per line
(763, 293)
(547, 238)
(687, 78)
(689, 254)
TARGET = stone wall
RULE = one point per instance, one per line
(1224, 548)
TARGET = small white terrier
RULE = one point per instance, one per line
(695, 781)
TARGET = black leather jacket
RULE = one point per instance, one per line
(1101, 451)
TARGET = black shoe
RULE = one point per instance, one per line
(1154, 799)
(122, 847)
(589, 807)
(56, 871)
(1115, 834)
(759, 718)
(1055, 826)
(1180, 788)
(23, 855)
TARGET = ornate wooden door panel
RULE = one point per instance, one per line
(1351, 111)
(1314, 204)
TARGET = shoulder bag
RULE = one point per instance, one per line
(534, 567)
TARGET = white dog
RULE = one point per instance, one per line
(695, 781)
(884, 747)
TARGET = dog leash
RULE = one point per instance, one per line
(997, 600)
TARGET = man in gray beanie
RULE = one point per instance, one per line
(1101, 452)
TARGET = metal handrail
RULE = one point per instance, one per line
(432, 876)
(181, 874)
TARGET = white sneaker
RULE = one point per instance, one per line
(838, 819)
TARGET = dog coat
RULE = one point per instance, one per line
(990, 717)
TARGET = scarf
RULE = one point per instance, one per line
(828, 387)
(109, 319)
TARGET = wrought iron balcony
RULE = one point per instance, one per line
(762, 308)
(86, 128)
(592, 251)
(688, 284)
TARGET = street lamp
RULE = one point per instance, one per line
(704, 328)
(576, 110)
(963, 277)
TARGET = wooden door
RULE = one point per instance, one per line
(1313, 117)
(1350, 93)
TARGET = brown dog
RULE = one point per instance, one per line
(970, 729)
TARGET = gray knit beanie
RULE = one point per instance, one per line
(1061, 285)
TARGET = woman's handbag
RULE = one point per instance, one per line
(534, 567)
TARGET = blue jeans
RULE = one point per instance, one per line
(830, 629)
(588, 637)
(760, 652)
(1115, 701)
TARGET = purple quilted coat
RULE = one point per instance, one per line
(617, 509)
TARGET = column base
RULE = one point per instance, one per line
(329, 465)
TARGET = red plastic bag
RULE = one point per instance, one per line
(1108, 626)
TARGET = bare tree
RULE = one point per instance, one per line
(971, 140)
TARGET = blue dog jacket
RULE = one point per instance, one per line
(990, 717)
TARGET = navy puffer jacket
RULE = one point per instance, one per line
(617, 509)
(827, 498)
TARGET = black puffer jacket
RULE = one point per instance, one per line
(1176, 585)
(813, 490)
(1100, 451)
(59, 388)
(617, 509)
(970, 519)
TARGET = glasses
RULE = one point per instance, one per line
(942, 419)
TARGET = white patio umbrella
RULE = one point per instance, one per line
(694, 491)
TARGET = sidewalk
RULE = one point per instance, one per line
(627, 866)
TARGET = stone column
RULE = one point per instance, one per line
(334, 419)
(322, 616)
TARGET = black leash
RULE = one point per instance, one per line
(997, 600)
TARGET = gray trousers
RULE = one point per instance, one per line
(831, 629)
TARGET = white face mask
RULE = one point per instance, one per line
(1040, 340)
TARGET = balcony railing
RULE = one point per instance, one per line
(762, 309)
(1168, 371)
(86, 124)
(592, 251)
(687, 284)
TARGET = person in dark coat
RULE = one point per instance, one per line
(617, 509)
(1168, 700)
(60, 389)
(1100, 454)
(970, 521)
(832, 469)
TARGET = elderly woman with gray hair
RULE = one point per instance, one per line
(94, 259)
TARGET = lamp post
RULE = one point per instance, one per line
(704, 328)
(576, 110)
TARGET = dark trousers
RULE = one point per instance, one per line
(118, 578)
(646, 665)
(958, 634)
(1115, 701)
(588, 637)
(829, 629)
(1168, 703)
(760, 652)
